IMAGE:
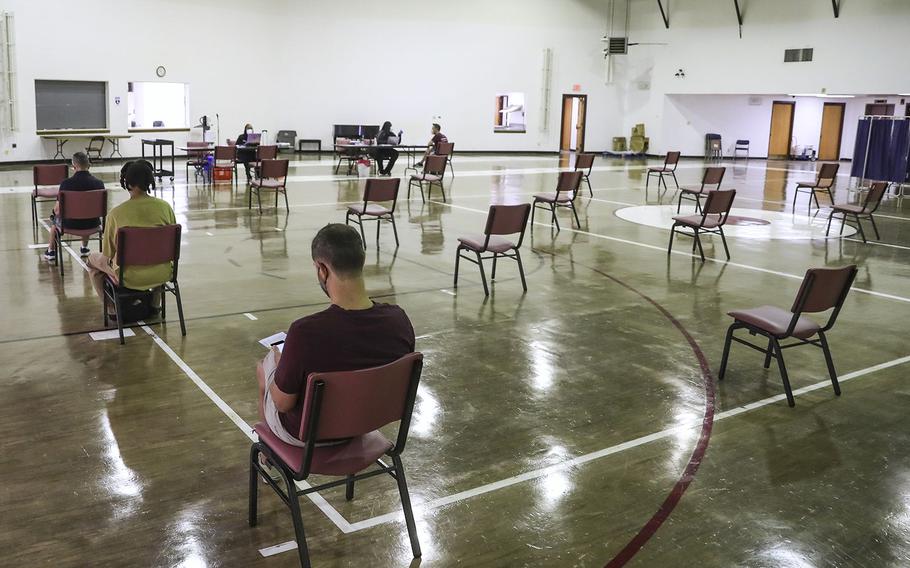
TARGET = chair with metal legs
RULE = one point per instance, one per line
(822, 289)
(47, 178)
(567, 189)
(347, 405)
(825, 181)
(712, 219)
(671, 161)
(377, 191)
(90, 207)
(447, 149)
(273, 175)
(870, 205)
(434, 171)
(585, 163)
(713, 176)
(501, 220)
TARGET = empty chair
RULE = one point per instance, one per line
(584, 163)
(822, 289)
(377, 191)
(226, 159)
(144, 246)
(80, 205)
(712, 177)
(273, 175)
(870, 205)
(447, 149)
(47, 178)
(502, 220)
(567, 189)
(350, 405)
(263, 153)
(671, 161)
(196, 157)
(286, 139)
(741, 146)
(95, 147)
(434, 171)
(824, 182)
(711, 220)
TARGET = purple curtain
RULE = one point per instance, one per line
(859, 147)
(879, 146)
(897, 155)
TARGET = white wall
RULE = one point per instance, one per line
(305, 65)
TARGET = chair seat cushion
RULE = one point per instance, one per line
(426, 177)
(267, 183)
(808, 185)
(659, 170)
(46, 192)
(344, 459)
(849, 208)
(561, 197)
(371, 209)
(775, 321)
(82, 232)
(497, 243)
(694, 190)
(695, 221)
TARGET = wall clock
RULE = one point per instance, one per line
(160, 71)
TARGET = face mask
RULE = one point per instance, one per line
(249, 130)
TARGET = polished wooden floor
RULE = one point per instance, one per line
(550, 427)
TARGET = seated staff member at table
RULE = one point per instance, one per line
(386, 136)
(245, 155)
(140, 210)
(433, 145)
(81, 180)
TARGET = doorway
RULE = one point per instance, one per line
(832, 128)
(572, 129)
(781, 129)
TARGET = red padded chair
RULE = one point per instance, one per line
(671, 161)
(273, 175)
(47, 179)
(144, 246)
(226, 159)
(712, 176)
(447, 149)
(567, 189)
(870, 205)
(264, 153)
(434, 171)
(501, 220)
(825, 181)
(712, 220)
(377, 191)
(80, 205)
(822, 289)
(350, 405)
(584, 163)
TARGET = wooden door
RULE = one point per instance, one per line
(781, 129)
(565, 136)
(832, 127)
(580, 124)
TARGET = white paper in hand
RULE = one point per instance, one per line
(268, 341)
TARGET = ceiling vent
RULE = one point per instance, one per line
(617, 46)
(797, 55)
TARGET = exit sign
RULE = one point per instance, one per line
(576, 88)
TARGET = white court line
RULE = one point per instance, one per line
(38, 246)
(877, 243)
(110, 334)
(574, 462)
(251, 316)
(449, 292)
(316, 498)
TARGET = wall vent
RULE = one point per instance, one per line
(797, 55)
(617, 46)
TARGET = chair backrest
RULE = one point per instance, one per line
(286, 136)
(569, 181)
(874, 196)
(508, 220)
(823, 289)
(50, 174)
(145, 246)
(713, 176)
(83, 204)
(742, 143)
(381, 190)
(273, 169)
(267, 152)
(347, 404)
(224, 153)
(672, 159)
(827, 174)
(719, 202)
(445, 148)
(96, 143)
(584, 161)
(435, 165)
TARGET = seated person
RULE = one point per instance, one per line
(140, 210)
(433, 145)
(245, 155)
(352, 333)
(386, 136)
(81, 180)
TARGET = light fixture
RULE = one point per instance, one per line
(821, 95)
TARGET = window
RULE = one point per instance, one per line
(158, 105)
(510, 113)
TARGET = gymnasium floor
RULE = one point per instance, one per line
(553, 428)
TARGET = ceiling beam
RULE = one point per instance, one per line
(836, 5)
(665, 14)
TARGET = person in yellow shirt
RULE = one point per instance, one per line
(140, 210)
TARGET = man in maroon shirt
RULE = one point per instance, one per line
(353, 333)
(433, 145)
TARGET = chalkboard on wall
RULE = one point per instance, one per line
(71, 104)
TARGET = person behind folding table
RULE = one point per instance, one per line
(245, 155)
(386, 136)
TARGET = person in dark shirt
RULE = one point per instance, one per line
(81, 180)
(386, 136)
(433, 145)
(353, 333)
(245, 155)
